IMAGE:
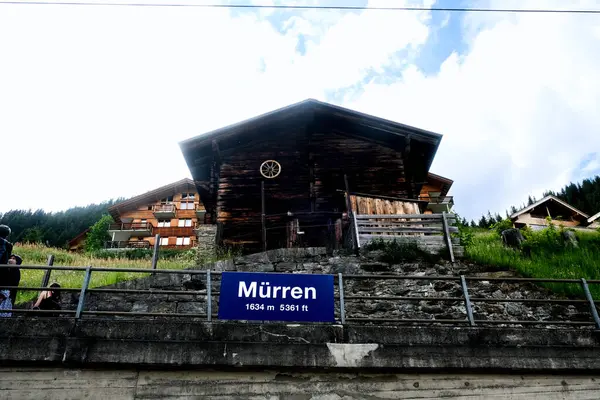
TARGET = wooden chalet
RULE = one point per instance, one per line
(435, 193)
(594, 221)
(560, 213)
(286, 177)
(172, 211)
(78, 242)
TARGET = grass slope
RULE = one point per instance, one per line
(544, 255)
(37, 255)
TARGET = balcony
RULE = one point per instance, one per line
(128, 244)
(131, 228)
(200, 212)
(438, 204)
(164, 211)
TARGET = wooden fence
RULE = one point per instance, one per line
(431, 232)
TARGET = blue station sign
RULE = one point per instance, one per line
(254, 296)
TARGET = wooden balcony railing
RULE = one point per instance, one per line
(129, 244)
(438, 199)
(131, 226)
(164, 208)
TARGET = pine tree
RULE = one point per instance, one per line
(530, 201)
(483, 223)
(56, 229)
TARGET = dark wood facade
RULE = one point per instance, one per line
(316, 144)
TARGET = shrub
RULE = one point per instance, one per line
(98, 234)
(500, 226)
(465, 234)
(395, 252)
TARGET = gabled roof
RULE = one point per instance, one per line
(545, 199)
(183, 185)
(593, 218)
(446, 182)
(380, 124)
(431, 175)
(78, 237)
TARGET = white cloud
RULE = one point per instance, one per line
(518, 111)
(94, 100)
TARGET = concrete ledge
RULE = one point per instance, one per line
(173, 344)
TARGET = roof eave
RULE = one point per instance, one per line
(593, 218)
(115, 209)
(399, 129)
(542, 201)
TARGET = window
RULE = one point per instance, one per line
(143, 221)
(150, 207)
(166, 200)
(164, 223)
(185, 222)
(183, 241)
(188, 196)
(187, 205)
(164, 241)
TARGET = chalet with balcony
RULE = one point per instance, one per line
(172, 211)
(78, 242)
(560, 213)
(293, 175)
(435, 193)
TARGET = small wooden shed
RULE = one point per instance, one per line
(290, 171)
(560, 213)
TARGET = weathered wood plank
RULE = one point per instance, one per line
(439, 240)
(404, 216)
(434, 223)
(402, 229)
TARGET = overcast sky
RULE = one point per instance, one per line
(94, 100)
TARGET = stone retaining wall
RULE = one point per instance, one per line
(316, 261)
(207, 244)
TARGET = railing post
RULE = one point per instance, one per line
(263, 211)
(342, 307)
(447, 236)
(356, 233)
(46, 278)
(590, 299)
(155, 254)
(84, 287)
(463, 283)
(208, 296)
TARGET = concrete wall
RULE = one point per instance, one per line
(41, 383)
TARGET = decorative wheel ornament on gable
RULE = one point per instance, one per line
(270, 169)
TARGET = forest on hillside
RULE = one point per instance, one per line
(584, 196)
(53, 228)
(56, 229)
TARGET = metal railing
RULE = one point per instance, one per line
(131, 226)
(345, 296)
(127, 244)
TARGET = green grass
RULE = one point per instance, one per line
(37, 255)
(543, 255)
